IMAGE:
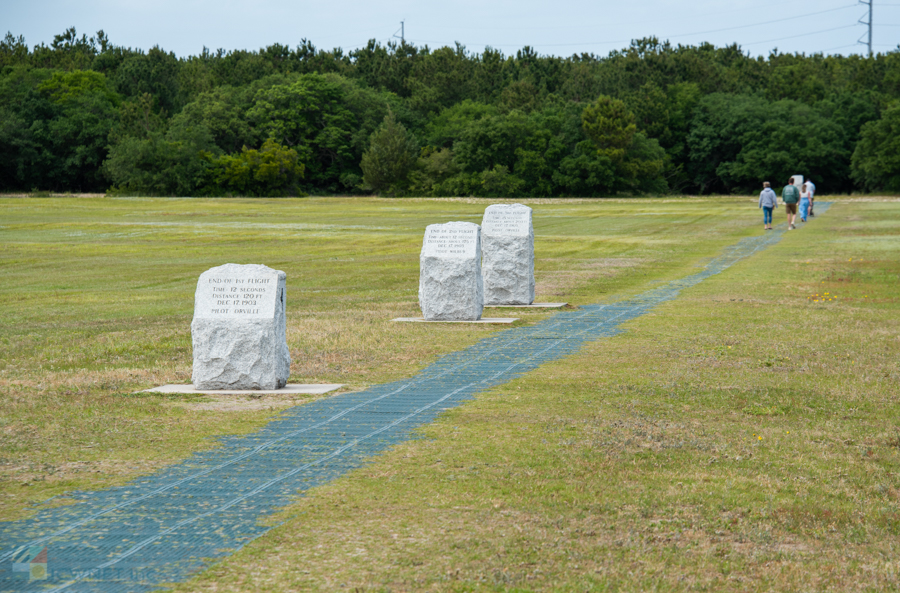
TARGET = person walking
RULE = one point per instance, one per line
(790, 195)
(768, 201)
(812, 195)
(805, 196)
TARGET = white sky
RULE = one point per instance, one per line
(563, 27)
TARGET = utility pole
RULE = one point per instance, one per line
(402, 31)
(868, 23)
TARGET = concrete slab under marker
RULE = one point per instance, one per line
(482, 320)
(531, 306)
(290, 388)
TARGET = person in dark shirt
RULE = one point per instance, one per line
(790, 195)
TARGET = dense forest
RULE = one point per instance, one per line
(83, 114)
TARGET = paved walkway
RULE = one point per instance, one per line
(164, 528)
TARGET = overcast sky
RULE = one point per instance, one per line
(561, 27)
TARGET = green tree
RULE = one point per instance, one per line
(386, 67)
(638, 162)
(179, 162)
(156, 73)
(850, 111)
(650, 106)
(66, 87)
(721, 116)
(223, 110)
(491, 141)
(610, 125)
(13, 50)
(273, 170)
(390, 159)
(449, 125)
(311, 115)
(520, 95)
(432, 168)
(801, 81)
(737, 141)
(19, 153)
(682, 98)
(67, 51)
(440, 79)
(586, 172)
(137, 118)
(876, 160)
(498, 182)
(69, 116)
(643, 167)
(20, 105)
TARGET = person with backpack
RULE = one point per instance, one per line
(768, 201)
(790, 195)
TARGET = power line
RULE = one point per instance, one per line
(868, 3)
(570, 27)
(801, 35)
(682, 35)
(840, 47)
(799, 16)
(790, 18)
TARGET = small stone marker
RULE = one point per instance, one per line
(239, 329)
(508, 244)
(450, 285)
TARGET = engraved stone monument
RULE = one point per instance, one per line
(450, 286)
(239, 329)
(507, 238)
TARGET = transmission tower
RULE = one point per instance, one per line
(868, 23)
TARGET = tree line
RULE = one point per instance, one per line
(83, 114)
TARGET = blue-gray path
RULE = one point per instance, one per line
(166, 527)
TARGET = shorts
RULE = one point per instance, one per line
(790, 208)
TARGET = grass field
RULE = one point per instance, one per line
(742, 437)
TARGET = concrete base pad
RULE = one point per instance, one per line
(290, 388)
(531, 306)
(482, 320)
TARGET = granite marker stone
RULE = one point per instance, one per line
(450, 285)
(239, 329)
(507, 239)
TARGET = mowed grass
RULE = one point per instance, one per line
(742, 437)
(97, 300)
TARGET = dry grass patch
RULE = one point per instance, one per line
(350, 344)
(562, 277)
